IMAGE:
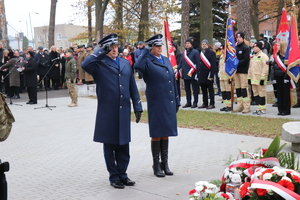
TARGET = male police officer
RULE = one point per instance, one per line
(115, 87)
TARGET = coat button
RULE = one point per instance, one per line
(120, 85)
(169, 81)
(170, 91)
(120, 75)
(120, 106)
(167, 71)
(121, 96)
(171, 101)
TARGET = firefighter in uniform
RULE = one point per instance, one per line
(258, 74)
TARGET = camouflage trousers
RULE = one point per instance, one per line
(72, 91)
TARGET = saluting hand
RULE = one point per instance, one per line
(138, 115)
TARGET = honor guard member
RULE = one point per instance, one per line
(70, 75)
(115, 86)
(240, 77)
(162, 101)
(258, 74)
(206, 72)
(188, 64)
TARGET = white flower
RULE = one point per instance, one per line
(199, 188)
(201, 183)
(270, 192)
(267, 176)
(280, 172)
(294, 173)
(276, 168)
(286, 178)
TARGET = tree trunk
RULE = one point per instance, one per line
(52, 23)
(254, 18)
(119, 21)
(206, 21)
(3, 25)
(144, 18)
(89, 7)
(185, 23)
(244, 17)
(100, 10)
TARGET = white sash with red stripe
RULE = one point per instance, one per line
(190, 63)
(205, 61)
(280, 63)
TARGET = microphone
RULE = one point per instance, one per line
(55, 59)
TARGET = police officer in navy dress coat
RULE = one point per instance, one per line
(162, 101)
(115, 86)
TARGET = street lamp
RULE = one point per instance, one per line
(26, 27)
(31, 27)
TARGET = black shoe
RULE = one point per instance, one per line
(218, 93)
(28, 102)
(210, 107)
(128, 182)
(228, 109)
(31, 103)
(297, 105)
(280, 113)
(223, 109)
(285, 113)
(117, 184)
(203, 106)
(194, 106)
(187, 105)
(275, 104)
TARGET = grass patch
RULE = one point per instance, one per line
(227, 122)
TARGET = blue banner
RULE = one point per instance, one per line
(231, 62)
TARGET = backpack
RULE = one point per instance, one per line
(6, 119)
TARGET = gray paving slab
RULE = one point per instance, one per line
(52, 156)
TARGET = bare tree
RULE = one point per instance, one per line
(244, 17)
(89, 8)
(101, 6)
(144, 19)
(3, 25)
(52, 23)
(185, 22)
(206, 20)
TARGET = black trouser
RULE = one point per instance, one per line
(195, 87)
(283, 95)
(32, 94)
(22, 83)
(46, 81)
(55, 84)
(178, 87)
(117, 159)
(210, 88)
(14, 91)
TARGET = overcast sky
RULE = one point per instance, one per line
(17, 10)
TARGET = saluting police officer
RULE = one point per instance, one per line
(162, 101)
(115, 87)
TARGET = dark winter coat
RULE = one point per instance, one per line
(11, 65)
(243, 54)
(30, 73)
(43, 63)
(276, 70)
(203, 72)
(55, 70)
(193, 55)
(161, 94)
(115, 87)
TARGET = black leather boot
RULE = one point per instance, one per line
(155, 148)
(164, 144)
(4, 167)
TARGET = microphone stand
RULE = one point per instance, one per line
(46, 106)
(10, 99)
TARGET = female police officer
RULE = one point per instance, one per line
(162, 101)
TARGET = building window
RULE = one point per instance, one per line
(58, 36)
(267, 33)
(40, 38)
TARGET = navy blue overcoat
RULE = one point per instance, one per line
(115, 86)
(161, 94)
(194, 56)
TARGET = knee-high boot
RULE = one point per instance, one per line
(155, 148)
(4, 167)
(164, 144)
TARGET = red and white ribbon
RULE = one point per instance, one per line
(279, 189)
(247, 163)
(280, 63)
(190, 63)
(205, 61)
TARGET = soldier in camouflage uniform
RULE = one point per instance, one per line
(70, 75)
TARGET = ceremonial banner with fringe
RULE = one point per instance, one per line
(231, 62)
(283, 31)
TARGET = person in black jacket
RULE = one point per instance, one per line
(206, 72)
(240, 78)
(188, 64)
(178, 58)
(55, 70)
(30, 76)
(42, 60)
(282, 80)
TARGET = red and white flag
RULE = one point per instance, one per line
(283, 31)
